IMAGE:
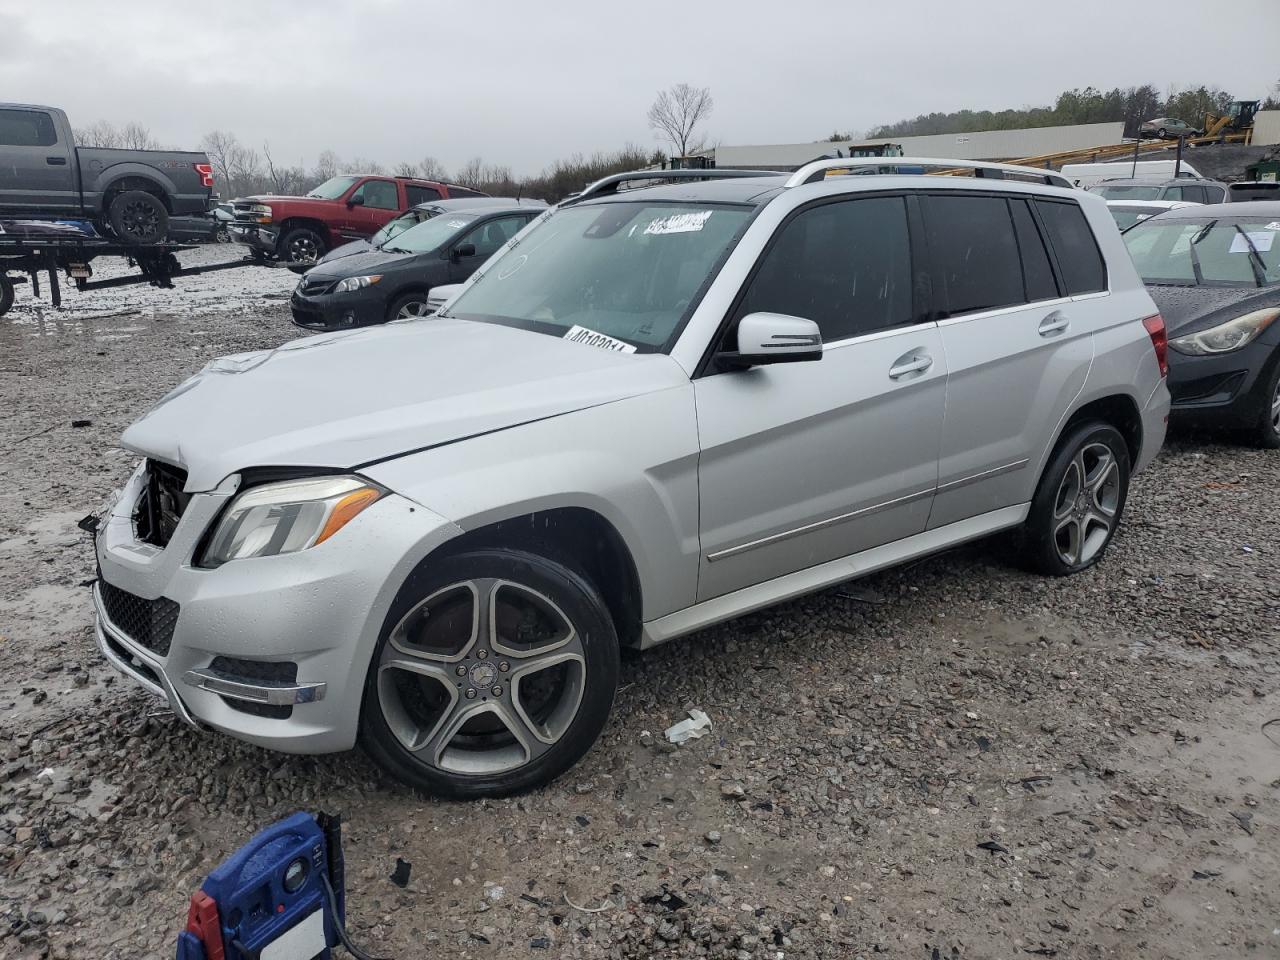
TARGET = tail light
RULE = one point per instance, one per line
(206, 173)
(1159, 340)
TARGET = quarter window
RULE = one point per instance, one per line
(27, 128)
(974, 252)
(1079, 260)
(846, 266)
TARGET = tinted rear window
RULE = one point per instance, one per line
(1037, 273)
(1079, 260)
(27, 128)
(974, 252)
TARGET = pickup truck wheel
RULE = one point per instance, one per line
(301, 245)
(1077, 507)
(494, 674)
(138, 217)
(6, 295)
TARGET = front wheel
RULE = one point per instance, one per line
(301, 245)
(6, 294)
(1077, 507)
(411, 306)
(494, 674)
(137, 217)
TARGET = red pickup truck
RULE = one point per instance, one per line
(303, 229)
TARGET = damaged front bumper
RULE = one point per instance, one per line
(255, 236)
(273, 650)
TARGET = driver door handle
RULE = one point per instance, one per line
(1055, 322)
(918, 363)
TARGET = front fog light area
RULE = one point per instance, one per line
(286, 517)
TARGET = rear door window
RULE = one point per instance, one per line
(974, 253)
(27, 128)
(416, 194)
(846, 266)
(1079, 259)
(1037, 271)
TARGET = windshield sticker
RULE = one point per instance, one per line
(515, 265)
(1261, 242)
(1273, 225)
(457, 223)
(680, 223)
(578, 334)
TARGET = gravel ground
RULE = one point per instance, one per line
(950, 760)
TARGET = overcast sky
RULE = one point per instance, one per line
(522, 83)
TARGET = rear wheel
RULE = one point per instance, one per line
(409, 306)
(494, 674)
(1163, 133)
(6, 294)
(301, 245)
(1077, 507)
(138, 217)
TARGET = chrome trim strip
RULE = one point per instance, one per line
(817, 525)
(984, 475)
(254, 693)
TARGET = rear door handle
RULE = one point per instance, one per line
(56, 161)
(1055, 322)
(910, 364)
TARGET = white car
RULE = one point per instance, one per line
(1128, 212)
(652, 411)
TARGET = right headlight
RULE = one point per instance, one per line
(261, 212)
(287, 517)
(1226, 337)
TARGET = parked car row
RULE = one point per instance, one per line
(649, 411)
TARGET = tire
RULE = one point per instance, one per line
(1267, 432)
(439, 712)
(6, 294)
(410, 302)
(1162, 133)
(222, 236)
(301, 245)
(138, 217)
(1068, 529)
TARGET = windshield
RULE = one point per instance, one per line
(333, 188)
(1126, 217)
(398, 226)
(429, 234)
(628, 270)
(1127, 192)
(1207, 253)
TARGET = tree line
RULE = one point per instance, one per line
(1130, 106)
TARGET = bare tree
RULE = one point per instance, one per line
(676, 113)
(135, 136)
(432, 169)
(406, 169)
(326, 166)
(99, 134)
(471, 173)
(220, 146)
(370, 167)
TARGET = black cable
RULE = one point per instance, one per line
(338, 925)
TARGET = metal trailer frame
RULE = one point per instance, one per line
(157, 264)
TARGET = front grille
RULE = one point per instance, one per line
(146, 622)
(162, 503)
(243, 212)
(314, 286)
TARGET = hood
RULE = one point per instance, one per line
(345, 400)
(277, 198)
(360, 262)
(346, 250)
(1189, 309)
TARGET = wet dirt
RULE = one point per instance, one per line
(955, 760)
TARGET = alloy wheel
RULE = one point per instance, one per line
(1275, 409)
(140, 220)
(482, 677)
(412, 310)
(1084, 510)
(303, 249)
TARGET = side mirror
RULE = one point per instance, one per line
(356, 201)
(464, 250)
(765, 338)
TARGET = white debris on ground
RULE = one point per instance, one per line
(697, 726)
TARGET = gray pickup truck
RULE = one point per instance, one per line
(129, 194)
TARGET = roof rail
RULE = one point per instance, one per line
(817, 170)
(610, 184)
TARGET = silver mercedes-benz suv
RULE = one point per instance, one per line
(653, 410)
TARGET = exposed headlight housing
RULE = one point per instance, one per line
(261, 212)
(351, 284)
(1228, 336)
(286, 517)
